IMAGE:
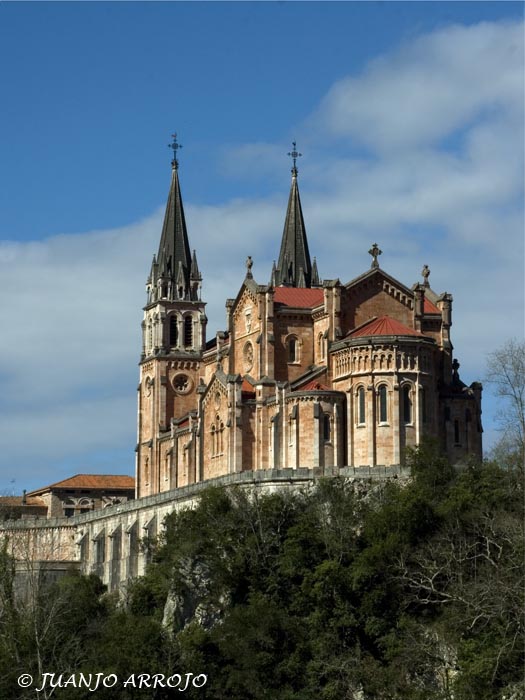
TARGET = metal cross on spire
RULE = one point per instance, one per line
(374, 252)
(295, 155)
(175, 147)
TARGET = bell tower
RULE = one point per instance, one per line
(173, 340)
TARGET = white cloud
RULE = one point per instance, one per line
(443, 186)
(429, 88)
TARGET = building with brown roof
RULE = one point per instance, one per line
(308, 373)
(20, 507)
(83, 493)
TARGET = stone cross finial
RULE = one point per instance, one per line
(425, 272)
(294, 155)
(174, 147)
(249, 265)
(375, 253)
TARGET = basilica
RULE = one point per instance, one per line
(311, 377)
(309, 372)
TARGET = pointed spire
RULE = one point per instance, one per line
(194, 272)
(273, 277)
(316, 282)
(153, 272)
(294, 253)
(174, 258)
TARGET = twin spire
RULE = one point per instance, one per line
(175, 273)
(294, 267)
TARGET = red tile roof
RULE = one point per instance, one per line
(92, 481)
(314, 385)
(383, 326)
(429, 307)
(299, 297)
(246, 387)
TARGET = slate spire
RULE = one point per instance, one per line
(174, 259)
(294, 268)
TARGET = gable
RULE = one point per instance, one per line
(375, 294)
(215, 389)
(245, 314)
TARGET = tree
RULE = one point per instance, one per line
(506, 373)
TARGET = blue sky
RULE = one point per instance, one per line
(410, 120)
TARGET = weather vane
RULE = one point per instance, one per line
(295, 155)
(175, 147)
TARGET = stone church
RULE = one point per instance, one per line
(308, 372)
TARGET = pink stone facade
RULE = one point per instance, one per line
(328, 375)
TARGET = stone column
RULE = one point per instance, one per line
(371, 424)
(284, 428)
(396, 448)
(338, 443)
(316, 461)
(350, 421)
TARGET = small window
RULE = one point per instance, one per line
(456, 432)
(188, 332)
(69, 512)
(361, 406)
(292, 350)
(174, 331)
(327, 428)
(383, 407)
(447, 413)
(407, 405)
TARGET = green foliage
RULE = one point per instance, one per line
(398, 591)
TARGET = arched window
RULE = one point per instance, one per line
(188, 332)
(174, 331)
(361, 413)
(320, 342)
(407, 405)
(213, 441)
(383, 404)
(85, 505)
(293, 349)
(221, 437)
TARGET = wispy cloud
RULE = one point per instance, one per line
(430, 88)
